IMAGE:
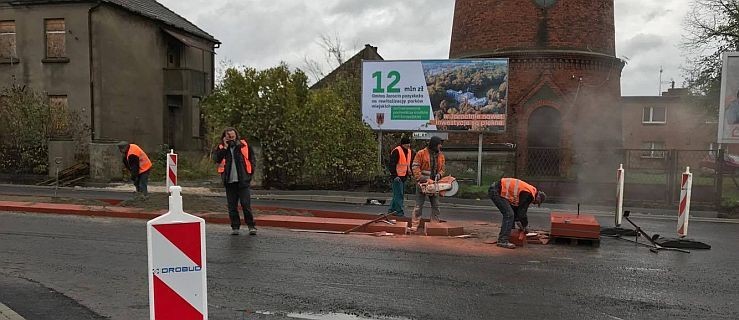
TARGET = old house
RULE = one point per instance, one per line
(132, 69)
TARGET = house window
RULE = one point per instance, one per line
(7, 40)
(58, 113)
(653, 150)
(655, 115)
(55, 38)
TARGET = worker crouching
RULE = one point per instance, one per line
(513, 197)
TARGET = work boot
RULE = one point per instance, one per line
(506, 245)
(252, 231)
(234, 232)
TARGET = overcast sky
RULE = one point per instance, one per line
(261, 33)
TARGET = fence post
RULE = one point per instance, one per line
(719, 177)
(379, 148)
(619, 195)
(668, 176)
(515, 161)
(479, 160)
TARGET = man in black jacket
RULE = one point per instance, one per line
(235, 159)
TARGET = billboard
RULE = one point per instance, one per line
(728, 125)
(435, 95)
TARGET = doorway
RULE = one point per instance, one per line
(544, 142)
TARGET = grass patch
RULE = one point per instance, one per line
(467, 191)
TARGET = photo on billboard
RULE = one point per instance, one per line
(435, 95)
(728, 129)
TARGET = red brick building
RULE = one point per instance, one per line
(669, 121)
(564, 79)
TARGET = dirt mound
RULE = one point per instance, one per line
(191, 203)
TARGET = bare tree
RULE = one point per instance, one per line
(333, 49)
(335, 54)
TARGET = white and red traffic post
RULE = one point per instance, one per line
(177, 265)
(171, 169)
(686, 187)
(620, 195)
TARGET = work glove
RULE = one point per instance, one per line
(397, 179)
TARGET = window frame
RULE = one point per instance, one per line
(63, 57)
(59, 126)
(14, 54)
(651, 151)
(651, 115)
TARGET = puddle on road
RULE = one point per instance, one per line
(326, 316)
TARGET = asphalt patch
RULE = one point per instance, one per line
(32, 300)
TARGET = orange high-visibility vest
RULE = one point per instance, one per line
(404, 161)
(244, 152)
(511, 188)
(144, 162)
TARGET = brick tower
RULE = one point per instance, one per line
(564, 80)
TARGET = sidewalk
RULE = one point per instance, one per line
(8, 314)
(125, 191)
(318, 220)
(483, 204)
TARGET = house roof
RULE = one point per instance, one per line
(146, 8)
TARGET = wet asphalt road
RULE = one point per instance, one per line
(90, 268)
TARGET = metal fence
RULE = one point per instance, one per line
(462, 164)
(652, 176)
(589, 176)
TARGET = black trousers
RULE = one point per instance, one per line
(235, 195)
(510, 213)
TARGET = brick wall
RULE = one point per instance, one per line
(563, 58)
(685, 127)
(484, 27)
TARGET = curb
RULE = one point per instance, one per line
(8, 314)
(324, 220)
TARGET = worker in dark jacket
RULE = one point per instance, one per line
(400, 169)
(138, 163)
(513, 197)
(235, 159)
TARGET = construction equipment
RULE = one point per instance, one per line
(445, 187)
(68, 176)
(382, 217)
(652, 239)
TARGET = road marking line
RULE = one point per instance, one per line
(612, 317)
(8, 314)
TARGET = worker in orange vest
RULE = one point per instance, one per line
(400, 169)
(235, 160)
(427, 165)
(513, 197)
(138, 163)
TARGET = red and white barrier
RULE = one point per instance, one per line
(171, 169)
(684, 210)
(177, 268)
(620, 195)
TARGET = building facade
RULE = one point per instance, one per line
(564, 78)
(132, 70)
